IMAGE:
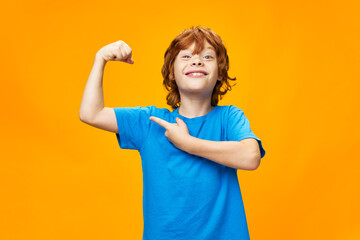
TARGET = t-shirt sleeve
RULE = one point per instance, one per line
(238, 127)
(133, 125)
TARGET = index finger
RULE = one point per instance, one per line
(161, 122)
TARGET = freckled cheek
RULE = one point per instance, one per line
(181, 69)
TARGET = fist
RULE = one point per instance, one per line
(116, 51)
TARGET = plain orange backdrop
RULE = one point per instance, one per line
(297, 68)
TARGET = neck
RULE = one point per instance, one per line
(194, 109)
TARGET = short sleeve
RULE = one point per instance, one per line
(238, 127)
(133, 125)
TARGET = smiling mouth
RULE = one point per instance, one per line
(196, 75)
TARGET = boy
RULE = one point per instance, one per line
(190, 155)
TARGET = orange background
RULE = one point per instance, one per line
(297, 65)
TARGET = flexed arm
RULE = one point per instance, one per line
(92, 110)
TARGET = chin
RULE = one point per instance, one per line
(195, 90)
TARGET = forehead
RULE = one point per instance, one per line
(206, 46)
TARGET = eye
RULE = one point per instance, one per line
(186, 56)
(209, 56)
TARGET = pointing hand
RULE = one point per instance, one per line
(177, 133)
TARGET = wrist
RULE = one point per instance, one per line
(188, 144)
(100, 58)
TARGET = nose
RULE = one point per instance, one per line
(196, 61)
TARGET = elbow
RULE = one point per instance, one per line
(251, 155)
(80, 117)
(81, 114)
(254, 162)
(83, 118)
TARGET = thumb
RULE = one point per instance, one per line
(180, 121)
(129, 60)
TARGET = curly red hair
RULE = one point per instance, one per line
(183, 41)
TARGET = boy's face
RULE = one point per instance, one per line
(206, 62)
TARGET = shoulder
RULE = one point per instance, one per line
(155, 111)
(135, 110)
(231, 110)
(158, 110)
(149, 108)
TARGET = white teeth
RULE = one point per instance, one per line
(196, 74)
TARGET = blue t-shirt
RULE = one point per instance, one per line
(185, 196)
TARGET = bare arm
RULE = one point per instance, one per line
(93, 98)
(244, 154)
(92, 110)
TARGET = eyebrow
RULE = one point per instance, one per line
(211, 48)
